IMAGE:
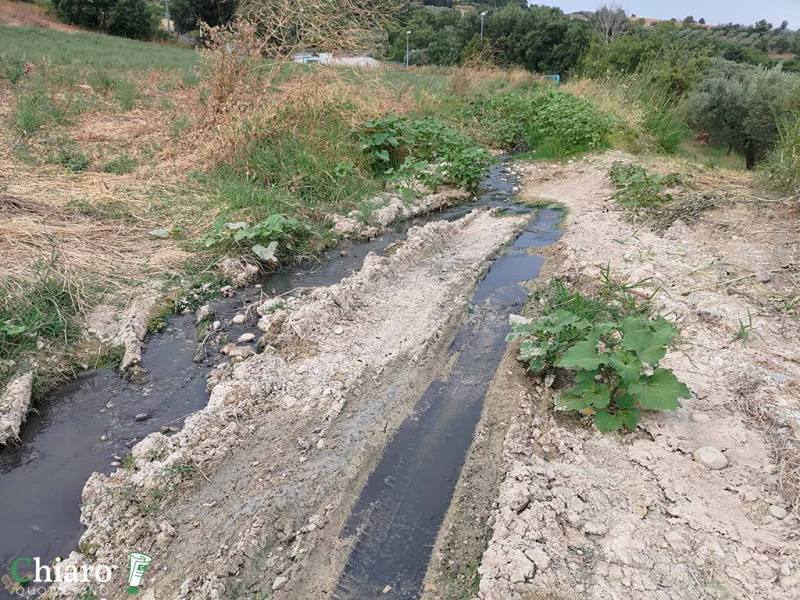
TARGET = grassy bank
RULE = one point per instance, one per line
(132, 162)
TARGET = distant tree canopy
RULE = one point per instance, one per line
(544, 39)
(128, 18)
(538, 38)
(188, 14)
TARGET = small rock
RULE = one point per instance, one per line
(245, 338)
(387, 589)
(763, 277)
(142, 416)
(115, 463)
(519, 320)
(235, 351)
(343, 253)
(320, 443)
(777, 511)
(238, 319)
(711, 457)
(279, 583)
(216, 325)
(203, 313)
(338, 330)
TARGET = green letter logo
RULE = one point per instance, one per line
(138, 565)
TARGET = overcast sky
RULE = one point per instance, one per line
(714, 11)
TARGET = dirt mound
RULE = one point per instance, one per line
(255, 487)
(25, 14)
(651, 515)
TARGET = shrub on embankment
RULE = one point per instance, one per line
(539, 118)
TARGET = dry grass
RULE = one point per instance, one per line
(96, 226)
(25, 14)
(783, 444)
(472, 80)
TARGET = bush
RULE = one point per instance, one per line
(781, 168)
(741, 106)
(424, 148)
(127, 18)
(188, 14)
(554, 123)
(614, 357)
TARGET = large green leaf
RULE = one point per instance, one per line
(586, 394)
(649, 339)
(659, 391)
(626, 364)
(582, 355)
(606, 421)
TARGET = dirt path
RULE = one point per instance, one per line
(250, 496)
(585, 515)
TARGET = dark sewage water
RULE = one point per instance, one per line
(396, 518)
(90, 423)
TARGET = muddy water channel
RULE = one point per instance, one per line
(400, 510)
(91, 423)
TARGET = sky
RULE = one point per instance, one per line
(714, 11)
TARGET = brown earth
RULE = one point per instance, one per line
(25, 14)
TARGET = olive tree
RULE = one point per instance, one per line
(741, 106)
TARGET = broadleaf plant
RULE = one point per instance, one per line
(615, 363)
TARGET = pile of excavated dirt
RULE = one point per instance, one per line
(250, 496)
(390, 207)
(698, 503)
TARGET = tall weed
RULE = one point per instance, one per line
(781, 168)
(553, 123)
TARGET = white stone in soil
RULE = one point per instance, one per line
(279, 583)
(777, 511)
(238, 319)
(711, 457)
(245, 338)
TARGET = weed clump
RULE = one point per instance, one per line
(120, 165)
(425, 149)
(72, 158)
(609, 347)
(646, 196)
(541, 119)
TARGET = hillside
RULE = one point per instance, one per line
(16, 13)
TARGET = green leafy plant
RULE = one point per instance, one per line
(266, 238)
(636, 188)
(71, 157)
(424, 149)
(553, 123)
(615, 362)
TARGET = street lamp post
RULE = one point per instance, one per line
(408, 33)
(483, 14)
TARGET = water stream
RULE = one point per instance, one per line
(400, 510)
(90, 424)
